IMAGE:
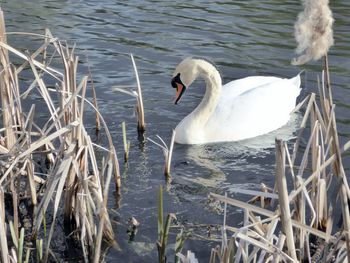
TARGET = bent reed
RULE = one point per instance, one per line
(73, 186)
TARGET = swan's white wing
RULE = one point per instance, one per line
(255, 111)
(237, 87)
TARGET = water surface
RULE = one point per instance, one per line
(242, 37)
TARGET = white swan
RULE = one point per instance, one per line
(239, 110)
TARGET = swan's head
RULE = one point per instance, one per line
(185, 73)
(188, 70)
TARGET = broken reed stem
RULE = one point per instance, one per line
(141, 125)
(7, 99)
(104, 224)
(3, 239)
(344, 197)
(283, 198)
(126, 143)
(15, 207)
(97, 118)
(280, 244)
(169, 155)
(327, 78)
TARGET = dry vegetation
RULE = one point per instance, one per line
(298, 222)
(74, 187)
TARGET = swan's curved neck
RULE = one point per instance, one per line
(207, 106)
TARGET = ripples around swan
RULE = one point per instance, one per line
(243, 37)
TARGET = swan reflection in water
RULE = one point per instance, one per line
(225, 166)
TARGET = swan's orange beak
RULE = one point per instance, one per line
(179, 91)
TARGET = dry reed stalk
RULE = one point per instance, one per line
(140, 112)
(344, 189)
(169, 155)
(126, 143)
(167, 151)
(327, 81)
(98, 122)
(5, 89)
(3, 238)
(65, 141)
(283, 198)
(280, 244)
(141, 124)
(224, 252)
(104, 224)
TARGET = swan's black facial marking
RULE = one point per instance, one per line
(175, 80)
(180, 87)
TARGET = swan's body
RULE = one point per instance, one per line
(239, 110)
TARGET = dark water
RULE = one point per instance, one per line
(242, 37)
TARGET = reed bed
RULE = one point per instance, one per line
(74, 187)
(297, 220)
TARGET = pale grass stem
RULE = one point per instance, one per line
(140, 112)
(167, 151)
(126, 143)
(141, 125)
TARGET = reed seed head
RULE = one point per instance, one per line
(313, 31)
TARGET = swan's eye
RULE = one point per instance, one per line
(176, 80)
(173, 84)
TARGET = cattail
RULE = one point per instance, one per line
(313, 31)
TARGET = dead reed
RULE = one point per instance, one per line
(167, 151)
(140, 112)
(74, 179)
(126, 143)
(301, 227)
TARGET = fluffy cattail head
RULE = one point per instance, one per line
(313, 31)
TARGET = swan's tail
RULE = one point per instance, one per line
(297, 81)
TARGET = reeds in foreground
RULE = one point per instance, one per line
(74, 179)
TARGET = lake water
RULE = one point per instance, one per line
(242, 37)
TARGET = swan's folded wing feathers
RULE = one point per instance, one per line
(256, 111)
(236, 87)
